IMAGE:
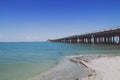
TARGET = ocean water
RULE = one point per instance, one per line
(22, 60)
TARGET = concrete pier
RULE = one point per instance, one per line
(109, 36)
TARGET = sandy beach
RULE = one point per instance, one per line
(106, 68)
(92, 68)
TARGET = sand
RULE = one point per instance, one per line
(106, 68)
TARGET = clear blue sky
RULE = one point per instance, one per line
(39, 20)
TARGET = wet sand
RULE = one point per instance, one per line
(70, 68)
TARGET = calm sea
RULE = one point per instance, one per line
(22, 60)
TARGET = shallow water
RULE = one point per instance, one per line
(20, 61)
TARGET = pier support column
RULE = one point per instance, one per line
(78, 40)
(104, 40)
(119, 40)
(92, 39)
(116, 39)
(95, 40)
(109, 40)
(99, 40)
(113, 40)
(70, 40)
(88, 40)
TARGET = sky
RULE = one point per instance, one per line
(39, 20)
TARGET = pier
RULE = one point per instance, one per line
(108, 36)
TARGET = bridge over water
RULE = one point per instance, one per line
(108, 36)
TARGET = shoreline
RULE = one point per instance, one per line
(83, 68)
(65, 70)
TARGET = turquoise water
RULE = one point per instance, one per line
(20, 61)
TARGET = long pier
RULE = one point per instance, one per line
(108, 36)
